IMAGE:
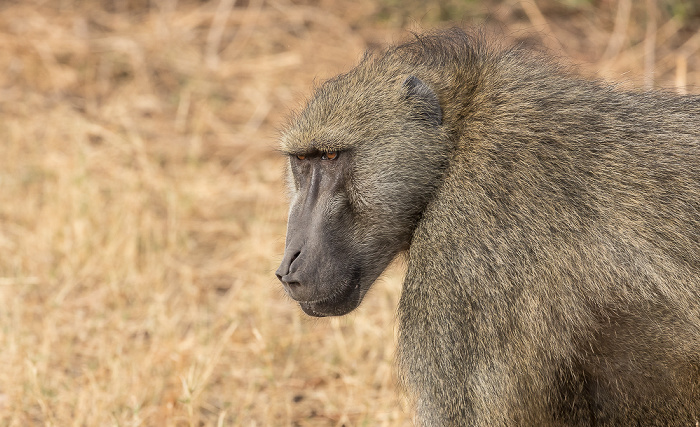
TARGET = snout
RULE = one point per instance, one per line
(319, 294)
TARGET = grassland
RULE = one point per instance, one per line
(142, 206)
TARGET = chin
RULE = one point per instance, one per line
(335, 305)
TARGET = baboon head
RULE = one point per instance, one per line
(365, 157)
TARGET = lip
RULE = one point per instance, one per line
(335, 305)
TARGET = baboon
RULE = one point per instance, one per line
(550, 226)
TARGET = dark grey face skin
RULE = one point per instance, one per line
(350, 211)
(317, 238)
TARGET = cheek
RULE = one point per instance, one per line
(336, 207)
(371, 186)
(384, 197)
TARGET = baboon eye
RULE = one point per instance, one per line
(301, 156)
(331, 155)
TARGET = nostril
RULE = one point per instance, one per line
(294, 257)
(285, 270)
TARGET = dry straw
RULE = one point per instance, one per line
(142, 208)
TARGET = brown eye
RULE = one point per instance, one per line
(330, 155)
(301, 156)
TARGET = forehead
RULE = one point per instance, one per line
(310, 143)
(343, 112)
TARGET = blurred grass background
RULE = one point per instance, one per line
(142, 206)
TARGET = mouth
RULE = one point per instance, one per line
(337, 304)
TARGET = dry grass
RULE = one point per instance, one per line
(142, 210)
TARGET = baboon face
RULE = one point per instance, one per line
(364, 157)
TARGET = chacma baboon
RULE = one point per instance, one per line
(551, 227)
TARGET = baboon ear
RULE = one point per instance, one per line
(415, 88)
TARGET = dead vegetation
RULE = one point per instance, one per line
(142, 207)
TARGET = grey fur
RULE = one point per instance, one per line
(551, 223)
